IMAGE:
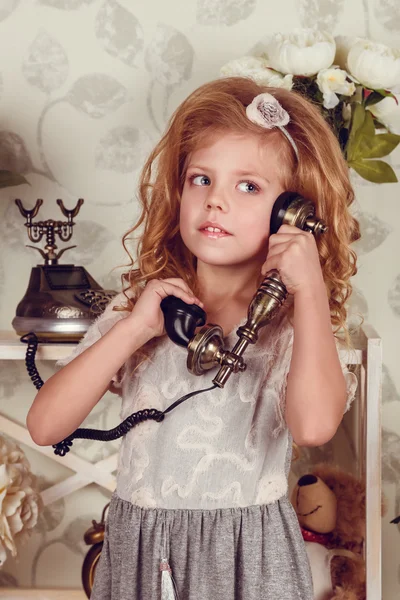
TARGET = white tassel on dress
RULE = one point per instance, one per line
(167, 582)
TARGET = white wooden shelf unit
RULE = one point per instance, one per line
(367, 355)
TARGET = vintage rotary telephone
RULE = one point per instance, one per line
(206, 348)
(61, 300)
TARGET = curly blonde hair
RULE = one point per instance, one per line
(321, 174)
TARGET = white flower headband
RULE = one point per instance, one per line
(265, 110)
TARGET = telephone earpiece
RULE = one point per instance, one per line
(205, 349)
(291, 208)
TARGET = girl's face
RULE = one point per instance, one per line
(227, 199)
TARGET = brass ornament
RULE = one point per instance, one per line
(94, 537)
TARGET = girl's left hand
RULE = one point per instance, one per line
(294, 254)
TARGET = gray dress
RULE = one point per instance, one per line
(201, 508)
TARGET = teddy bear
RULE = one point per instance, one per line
(330, 506)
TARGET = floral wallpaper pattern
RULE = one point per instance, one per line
(86, 88)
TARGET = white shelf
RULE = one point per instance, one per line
(11, 348)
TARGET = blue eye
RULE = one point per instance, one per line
(250, 187)
(200, 180)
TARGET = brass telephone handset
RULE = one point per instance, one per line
(206, 348)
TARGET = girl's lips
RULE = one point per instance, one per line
(214, 234)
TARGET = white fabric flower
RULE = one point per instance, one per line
(265, 110)
(374, 65)
(19, 499)
(332, 82)
(302, 52)
(258, 69)
(387, 112)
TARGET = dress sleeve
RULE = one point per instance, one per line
(97, 329)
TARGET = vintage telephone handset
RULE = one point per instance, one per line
(205, 348)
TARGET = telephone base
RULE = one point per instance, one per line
(52, 330)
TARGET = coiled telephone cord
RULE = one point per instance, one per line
(61, 448)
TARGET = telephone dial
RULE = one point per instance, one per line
(206, 347)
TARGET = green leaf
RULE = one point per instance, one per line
(378, 145)
(8, 179)
(357, 120)
(386, 93)
(377, 96)
(364, 130)
(376, 171)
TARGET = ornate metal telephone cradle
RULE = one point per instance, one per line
(50, 229)
(206, 348)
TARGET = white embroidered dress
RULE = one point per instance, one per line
(225, 448)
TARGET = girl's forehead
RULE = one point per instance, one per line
(236, 148)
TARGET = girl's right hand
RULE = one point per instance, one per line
(147, 310)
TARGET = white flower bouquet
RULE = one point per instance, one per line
(20, 501)
(355, 82)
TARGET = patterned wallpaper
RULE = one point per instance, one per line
(86, 87)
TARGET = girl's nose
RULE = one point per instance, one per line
(216, 199)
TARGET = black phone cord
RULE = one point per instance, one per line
(63, 447)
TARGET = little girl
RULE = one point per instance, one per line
(203, 494)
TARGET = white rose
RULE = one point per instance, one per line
(331, 82)
(6, 540)
(375, 65)
(256, 68)
(302, 52)
(19, 499)
(387, 112)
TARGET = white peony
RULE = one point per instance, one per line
(302, 52)
(258, 69)
(374, 65)
(387, 112)
(332, 82)
(19, 499)
(343, 45)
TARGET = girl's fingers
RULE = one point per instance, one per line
(178, 282)
(273, 261)
(168, 289)
(278, 248)
(291, 229)
(282, 237)
(183, 285)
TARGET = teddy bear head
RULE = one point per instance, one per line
(329, 500)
